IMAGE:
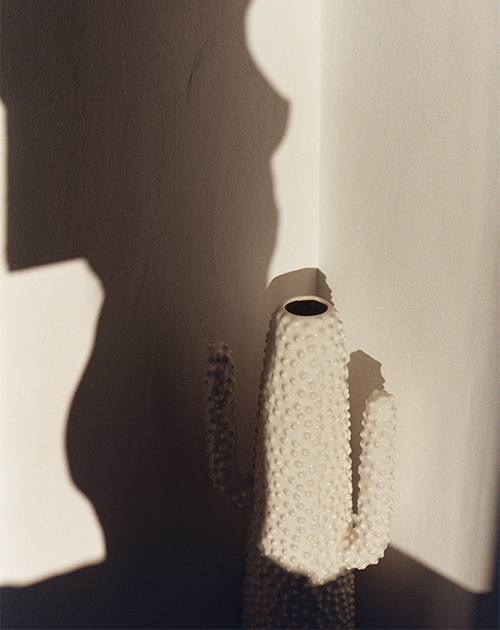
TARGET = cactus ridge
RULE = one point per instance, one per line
(220, 422)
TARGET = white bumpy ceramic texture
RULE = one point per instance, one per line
(304, 533)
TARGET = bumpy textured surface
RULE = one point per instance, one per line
(302, 477)
(304, 540)
(303, 470)
(370, 536)
(221, 429)
(275, 598)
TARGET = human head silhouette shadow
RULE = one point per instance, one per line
(140, 137)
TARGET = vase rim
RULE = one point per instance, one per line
(315, 306)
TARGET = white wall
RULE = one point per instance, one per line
(283, 39)
(409, 244)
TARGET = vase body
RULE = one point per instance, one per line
(302, 464)
(304, 540)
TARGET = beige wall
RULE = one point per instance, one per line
(139, 139)
(409, 244)
(173, 172)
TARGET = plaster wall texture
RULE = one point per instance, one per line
(139, 140)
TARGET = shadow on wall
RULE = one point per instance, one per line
(399, 592)
(140, 138)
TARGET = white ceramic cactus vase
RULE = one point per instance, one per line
(303, 529)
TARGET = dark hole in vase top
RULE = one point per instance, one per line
(306, 308)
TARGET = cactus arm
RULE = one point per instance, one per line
(369, 536)
(221, 429)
